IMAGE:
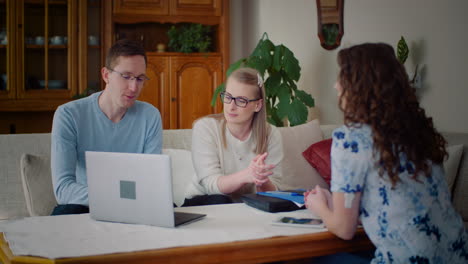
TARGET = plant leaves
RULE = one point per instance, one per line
(264, 52)
(291, 65)
(274, 119)
(297, 113)
(277, 58)
(272, 84)
(286, 79)
(402, 50)
(257, 63)
(188, 38)
(330, 32)
(236, 65)
(219, 89)
(305, 98)
(283, 107)
(280, 70)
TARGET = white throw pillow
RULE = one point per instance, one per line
(451, 164)
(182, 172)
(36, 178)
(297, 172)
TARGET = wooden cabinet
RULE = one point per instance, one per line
(46, 58)
(157, 90)
(148, 7)
(196, 7)
(7, 51)
(41, 39)
(166, 7)
(181, 87)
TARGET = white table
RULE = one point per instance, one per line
(229, 233)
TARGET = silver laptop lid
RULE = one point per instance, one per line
(130, 188)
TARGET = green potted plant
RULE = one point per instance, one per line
(330, 33)
(189, 38)
(402, 54)
(280, 70)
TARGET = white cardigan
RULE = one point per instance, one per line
(211, 160)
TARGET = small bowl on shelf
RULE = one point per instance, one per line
(56, 84)
(56, 40)
(39, 40)
(93, 40)
(53, 84)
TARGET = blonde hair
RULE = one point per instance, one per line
(260, 127)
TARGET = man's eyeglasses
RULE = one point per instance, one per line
(239, 101)
(140, 79)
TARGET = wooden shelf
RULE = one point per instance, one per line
(34, 46)
(32, 105)
(51, 2)
(57, 46)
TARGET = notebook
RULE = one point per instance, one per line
(269, 204)
(132, 188)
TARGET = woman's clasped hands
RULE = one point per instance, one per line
(259, 171)
(317, 199)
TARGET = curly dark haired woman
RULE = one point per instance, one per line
(386, 166)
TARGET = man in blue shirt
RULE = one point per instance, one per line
(111, 120)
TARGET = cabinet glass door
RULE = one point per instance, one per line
(57, 47)
(46, 50)
(34, 55)
(94, 40)
(4, 56)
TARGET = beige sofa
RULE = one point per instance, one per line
(25, 183)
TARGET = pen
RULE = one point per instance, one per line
(286, 193)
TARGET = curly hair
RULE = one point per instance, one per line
(376, 91)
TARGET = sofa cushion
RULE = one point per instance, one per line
(452, 163)
(177, 139)
(182, 172)
(37, 184)
(37, 180)
(460, 195)
(297, 173)
(318, 156)
(12, 147)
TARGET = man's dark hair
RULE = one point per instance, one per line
(124, 47)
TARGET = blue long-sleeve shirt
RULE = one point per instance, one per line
(81, 126)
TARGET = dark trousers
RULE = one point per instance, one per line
(348, 258)
(208, 199)
(64, 209)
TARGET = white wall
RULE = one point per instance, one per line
(435, 31)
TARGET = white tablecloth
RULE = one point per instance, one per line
(79, 235)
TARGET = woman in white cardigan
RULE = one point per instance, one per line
(237, 151)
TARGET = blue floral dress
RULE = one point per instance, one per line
(414, 222)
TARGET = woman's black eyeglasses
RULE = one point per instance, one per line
(239, 101)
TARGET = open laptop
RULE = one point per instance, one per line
(132, 188)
